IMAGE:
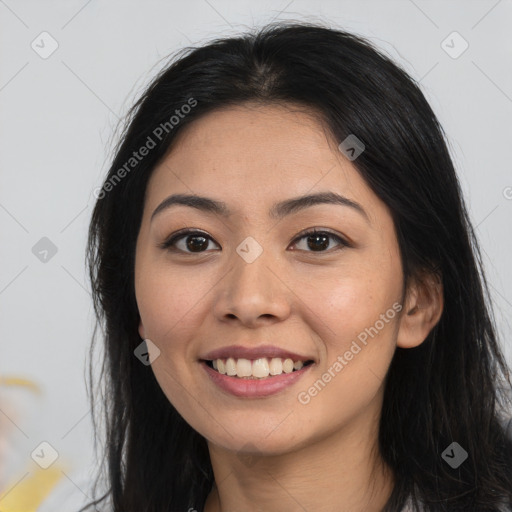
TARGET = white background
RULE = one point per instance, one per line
(57, 122)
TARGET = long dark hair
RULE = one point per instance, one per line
(450, 388)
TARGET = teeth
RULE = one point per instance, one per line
(231, 367)
(243, 368)
(260, 368)
(287, 366)
(276, 366)
(257, 368)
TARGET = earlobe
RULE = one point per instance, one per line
(142, 333)
(423, 309)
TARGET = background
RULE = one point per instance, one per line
(69, 71)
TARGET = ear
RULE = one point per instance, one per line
(142, 332)
(423, 307)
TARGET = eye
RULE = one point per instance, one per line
(319, 240)
(194, 241)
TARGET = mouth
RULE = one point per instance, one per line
(255, 378)
(256, 369)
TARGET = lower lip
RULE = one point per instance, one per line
(254, 388)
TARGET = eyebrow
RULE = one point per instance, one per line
(278, 211)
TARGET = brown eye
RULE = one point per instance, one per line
(195, 242)
(319, 241)
(189, 242)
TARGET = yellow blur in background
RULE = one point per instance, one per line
(24, 485)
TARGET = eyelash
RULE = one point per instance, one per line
(169, 243)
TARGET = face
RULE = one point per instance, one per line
(253, 277)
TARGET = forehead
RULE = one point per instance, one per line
(254, 154)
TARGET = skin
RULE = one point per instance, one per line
(275, 453)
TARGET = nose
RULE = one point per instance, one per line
(253, 294)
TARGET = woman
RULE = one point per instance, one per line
(283, 226)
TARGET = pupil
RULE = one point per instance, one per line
(194, 245)
(191, 245)
(317, 238)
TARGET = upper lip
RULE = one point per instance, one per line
(239, 351)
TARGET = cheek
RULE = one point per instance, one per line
(166, 299)
(168, 302)
(359, 339)
(352, 299)
(356, 317)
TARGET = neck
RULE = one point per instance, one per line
(342, 470)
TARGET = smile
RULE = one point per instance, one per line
(260, 368)
(276, 375)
